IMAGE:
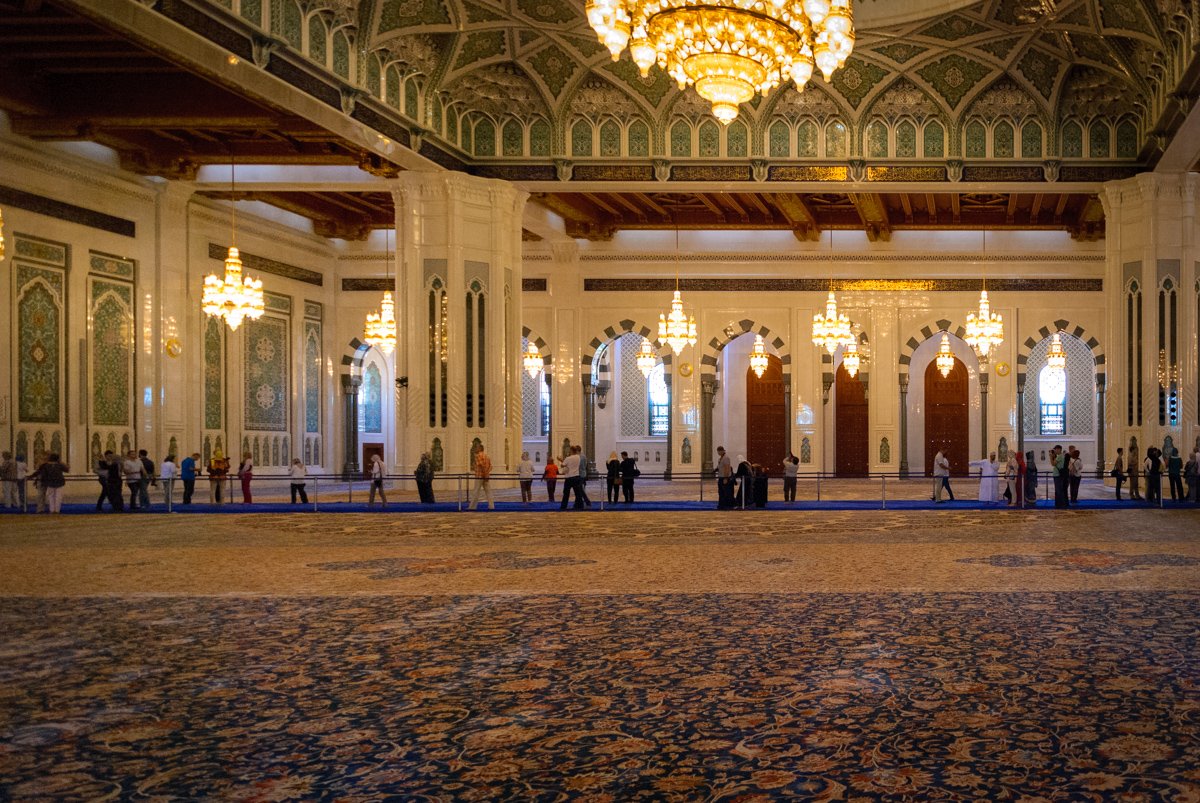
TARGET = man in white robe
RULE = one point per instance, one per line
(988, 492)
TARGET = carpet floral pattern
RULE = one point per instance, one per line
(1025, 697)
(392, 568)
(1088, 561)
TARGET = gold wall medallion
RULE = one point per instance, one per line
(174, 348)
(685, 369)
(1002, 369)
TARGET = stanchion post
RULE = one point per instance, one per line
(883, 486)
(460, 493)
(316, 490)
(818, 487)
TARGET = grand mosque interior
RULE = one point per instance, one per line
(350, 241)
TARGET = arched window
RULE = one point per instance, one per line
(735, 139)
(370, 411)
(906, 140)
(1031, 141)
(710, 139)
(485, 138)
(341, 55)
(1127, 140)
(781, 140)
(681, 139)
(610, 139)
(410, 100)
(935, 140)
(392, 89)
(1052, 394)
(513, 138)
(581, 139)
(1099, 140)
(539, 138)
(660, 400)
(374, 82)
(835, 140)
(1002, 141)
(543, 404)
(877, 140)
(1072, 141)
(316, 39)
(806, 139)
(293, 24)
(976, 140)
(639, 139)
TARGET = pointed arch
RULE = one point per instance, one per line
(712, 351)
(1043, 332)
(919, 336)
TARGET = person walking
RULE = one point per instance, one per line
(22, 473)
(1010, 478)
(724, 480)
(1058, 467)
(525, 477)
(134, 471)
(629, 473)
(298, 474)
(550, 475)
(1076, 475)
(377, 480)
(1118, 471)
(989, 493)
(613, 467)
(148, 478)
(218, 470)
(51, 475)
(1031, 480)
(8, 479)
(245, 473)
(424, 477)
(941, 477)
(187, 473)
(1153, 467)
(483, 475)
(583, 475)
(791, 468)
(1175, 476)
(570, 471)
(166, 473)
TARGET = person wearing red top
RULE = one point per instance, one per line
(550, 475)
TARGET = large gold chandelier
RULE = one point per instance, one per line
(984, 331)
(1056, 358)
(945, 357)
(831, 330)
(646, 358)
(676, 329)
(758, 357)
(532, 360)
(233, 298)
(380, 328)
(851, 360)
(729, 49)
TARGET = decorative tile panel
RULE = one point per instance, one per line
(1072, 141)
(653, 87)
(934, 141)
(312, 377)
(40, 335)
(372, 400)
(976, 140)
(681, 139)
(512, 139)
(480, 46)
(581, 138)
(1041, 69)
(633, 388)
(954, 28)
(111, 266)
(1127, 140)
(265, 381)
(1099, 140)
(710, 139)
(1124, 14)
(411, 13)
(610, 139)
(806, 140)
(550, 11)
(539, 138)
(877, 140)
(1002, 141)
(554, 66)
(214, 372)
(314, 310)
(41, 251)
(835, 140)
(1000, 48)
(900, 53)
(112, 349)
(906, 140)
(274, 302)
(1031, 141)
(780, 140)
(639, 139)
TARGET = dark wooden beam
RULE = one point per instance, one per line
(799, 216)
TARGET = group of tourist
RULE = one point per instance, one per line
(49, 478)
(1152, 468)
(741, 483)
(573, 469)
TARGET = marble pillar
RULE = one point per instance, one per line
(350, 386)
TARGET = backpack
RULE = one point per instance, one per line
(583, 468)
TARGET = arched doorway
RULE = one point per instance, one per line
(851, 425)
(947, 420)
(766, 417)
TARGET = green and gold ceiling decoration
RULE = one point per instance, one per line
(511, 80)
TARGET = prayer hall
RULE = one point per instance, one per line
(600, 401)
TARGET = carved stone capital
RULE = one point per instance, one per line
(563, 169)
(904, 383)
(349, 97)
(1050, 169)
(662, 169)
(758, 167)
(858, 170)
(954, 169)
(263, 47)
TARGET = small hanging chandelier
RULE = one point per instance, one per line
(945, 357)
(381, 326)
(831, 330)
(758, 357)
(233, 298)
(646, 358)
(1056, 358)
(676, 329)
(532, 360)
(850, 360)
(985, 331)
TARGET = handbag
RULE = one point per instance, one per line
(1113, 473)
(616, 481)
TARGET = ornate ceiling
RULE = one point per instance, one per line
(529, 59)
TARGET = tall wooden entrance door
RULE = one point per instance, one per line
(947, 421)
(851, 425)
(766, 417)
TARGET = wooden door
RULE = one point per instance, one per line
(766, 417)
(947, 421)
(851, 426)
(368, 450)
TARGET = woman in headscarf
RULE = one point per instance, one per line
(424, 477)
(1010, 477)
(525, 475)
(745, 480)
(614, 476)
(1031, 480)
(1019, 498)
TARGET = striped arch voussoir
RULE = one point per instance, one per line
(611, 333)
(924, 333)
(353, 358)
(1069, 328)
(542, 347)
(708, 362)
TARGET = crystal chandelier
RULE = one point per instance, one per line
(646, 358)
(532, 360)
(758, 357)
(1, 235)
(729, 49)
(676, 329)
(381, 326)
(1056, 358)
(831, 330)
(233, 298)
(851, 360)
(945, 357)
(985, 331)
